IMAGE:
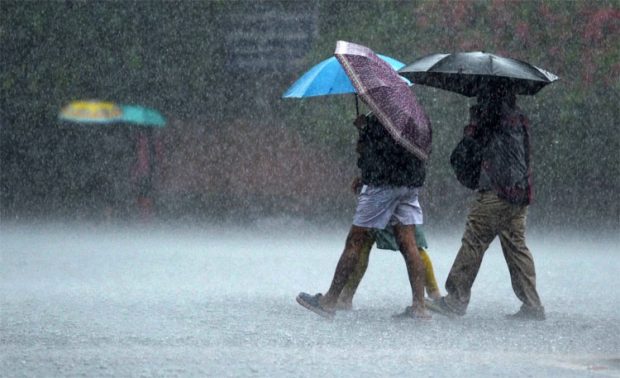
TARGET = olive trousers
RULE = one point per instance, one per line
(491, 216)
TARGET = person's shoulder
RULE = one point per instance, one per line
(515, 115)
(522, 114)
(513, 110)
(375, 127)
(372, 119)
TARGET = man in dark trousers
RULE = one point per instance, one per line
(391, 178)
(500, 130)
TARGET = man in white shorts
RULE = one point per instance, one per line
(391, 178)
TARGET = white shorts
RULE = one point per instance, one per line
(379, 206)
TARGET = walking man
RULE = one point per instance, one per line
(500, 130)
(391, 178)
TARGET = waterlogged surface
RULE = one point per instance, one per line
(221, 302)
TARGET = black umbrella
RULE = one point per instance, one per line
(467, 73)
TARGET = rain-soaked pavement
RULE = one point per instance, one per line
(220, 302)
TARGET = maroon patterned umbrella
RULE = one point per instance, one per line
(388, 96)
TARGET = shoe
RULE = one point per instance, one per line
(312, 303)
(441, 307)
(528, 313)
(410, 314)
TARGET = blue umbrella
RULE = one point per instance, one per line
(329, 78)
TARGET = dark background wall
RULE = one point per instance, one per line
(217, 69)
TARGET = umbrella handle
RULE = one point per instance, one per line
(357, 109)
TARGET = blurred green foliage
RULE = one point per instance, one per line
(173, 56)
(574, 121)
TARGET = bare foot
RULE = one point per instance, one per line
(434, 295)
(419, 311)
(415, 314)
(421, 314)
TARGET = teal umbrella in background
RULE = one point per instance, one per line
(143, 172)
(104, 112)
(112, 153)
(140, 115)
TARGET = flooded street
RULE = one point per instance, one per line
(221, 302)
(174, 173)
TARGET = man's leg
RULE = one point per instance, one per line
(479, 232)
(358, 237)
(345, 300)
(406, 241)
(520, 261)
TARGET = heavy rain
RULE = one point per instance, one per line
(162, 204)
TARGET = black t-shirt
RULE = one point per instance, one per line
(383, 161)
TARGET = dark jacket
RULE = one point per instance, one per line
(384, 162)
(505, 167)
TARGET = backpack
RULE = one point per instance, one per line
(466, 160)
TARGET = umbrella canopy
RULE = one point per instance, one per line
(142, 116)
(468, 73)
(389, 97)
(91, 111)
(103, 112)
(328, 78)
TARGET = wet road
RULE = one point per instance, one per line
(219, 302)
